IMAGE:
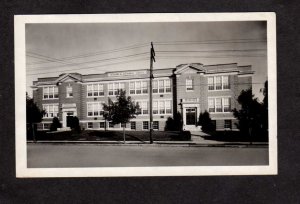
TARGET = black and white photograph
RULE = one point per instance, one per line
(145, 95)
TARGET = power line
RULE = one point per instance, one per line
(93, 61)
(97, 53)
(142, 59)
(220, 56)
(180, 51)
(210, 42)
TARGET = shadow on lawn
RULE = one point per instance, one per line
(234, 136)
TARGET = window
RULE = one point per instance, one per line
(69, 92)
(225, 81)
(145, 125)
(133, 125)
(115, 88)
(155, 125)
(95, 90)
(227, 124)
(143, 107)
(46, 126)
(51, 110)
(110, 89)
(138, 87)
(144, 87)
(218, 83)
(168, 86)
(211, 105)
(139, 109)
(90, 125)
(110, 125)
(161, 88)
(50, 92)
(155, 107)
(161, 107)
(94, 109)
(102, 124)
(211, 85)
(155, 87)
(218, 104)
(189, 84)
(123, 125)
(226, 104)
(132, 87)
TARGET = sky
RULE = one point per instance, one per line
(89, 48)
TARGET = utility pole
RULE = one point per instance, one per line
(152, 59)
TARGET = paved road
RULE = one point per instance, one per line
(90, 155)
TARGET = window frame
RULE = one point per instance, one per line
(189, 87)
(144, 125)
(99, 109)
(92, 92)
(51, 91)
(53, 111)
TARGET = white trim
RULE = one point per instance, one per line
(245, 75)
(222, 73)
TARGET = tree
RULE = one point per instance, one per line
(250, 116)
(55, 124)
(33, 114)
(174, 124)
(205, 122)
(121, 111)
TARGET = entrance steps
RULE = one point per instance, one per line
(192, 128)
(64, 129)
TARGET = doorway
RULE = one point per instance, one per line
(191, 116)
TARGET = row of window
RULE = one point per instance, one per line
(214, 83)
(138, 87)
(90, 125)
(51, 110)
(158, 107)
(219, 105)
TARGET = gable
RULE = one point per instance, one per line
(188, 69)
(67, 78)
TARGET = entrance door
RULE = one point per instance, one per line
(69, 118)
(191, 116)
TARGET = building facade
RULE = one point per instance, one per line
(188, 89)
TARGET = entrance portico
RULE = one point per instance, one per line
(68, 110)
(190, 113)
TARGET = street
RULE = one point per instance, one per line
(92, 155)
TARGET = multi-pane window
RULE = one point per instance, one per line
(115, 88)
(94, 109)
(189, 84)
(144, 87)
(143, 107)
(69, 91)
(211, 85)
(161, 86)
(225, 81)
(219, 104)
(110, 125)
(227, 124)
(155, 87)
(102, 124)
(95, 90)
(145, 125)
(133, 125)
(46, 126)
(50, 92)
(51, 110)
(123, 125)
(138, 89)
(155, 107)
(168, 107)
(211, 105)
(226, 104)
(162, 107)
(155, 125)
(89, 125)
(218, 83)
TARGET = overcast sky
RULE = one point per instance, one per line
(52, 49)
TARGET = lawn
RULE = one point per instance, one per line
(234, 136)
(101, 135)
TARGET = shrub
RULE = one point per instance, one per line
(206, 122)
(174, 124)
(74, 124)
(55, 124)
